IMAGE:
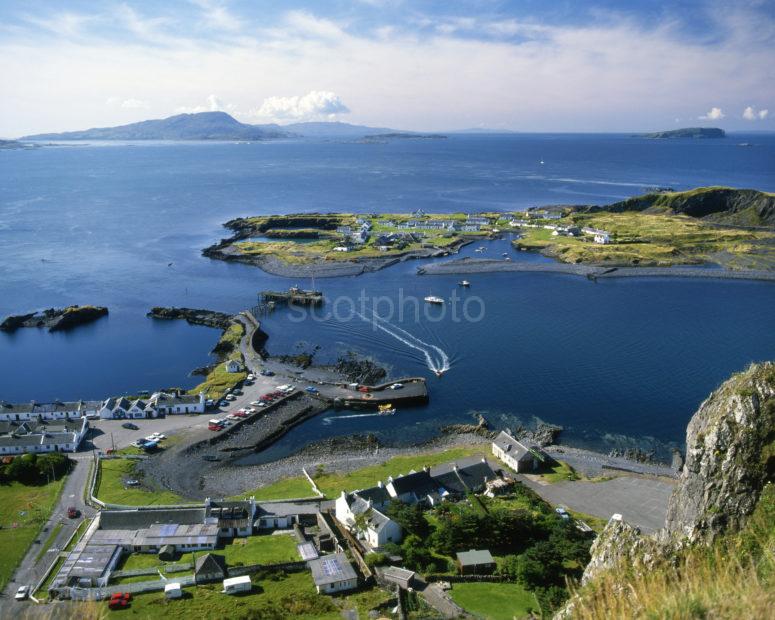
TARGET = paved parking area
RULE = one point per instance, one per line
(641, 500)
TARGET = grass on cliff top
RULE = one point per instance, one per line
(111, 488)
(23, 511)
(656, 240)
(297, 487)
(218, 380)
(733, 578)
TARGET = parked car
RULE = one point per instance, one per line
(209, 402)
(231, 397)
(256, 403)
(396, 386)
(237, 392)
(130, 426)
(73, 512)
(126, 596)
(311, 389)
(159, 436)
(224, 403)
(251, 377)
(214, 427)
(118, 603)
(22, 593)
(267, 373)
(138, 443)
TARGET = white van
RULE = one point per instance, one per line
(237, 584)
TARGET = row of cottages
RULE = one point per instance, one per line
(602, 237)
(544, 214)
(365, 509)
(521, 456)
(56, 410)
(448, 225)
(158, 405)
(41, 436)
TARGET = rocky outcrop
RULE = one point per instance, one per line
(55, 319)
(193, 316)
(359, 370)
(729, 457)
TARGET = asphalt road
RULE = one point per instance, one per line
(32, 569)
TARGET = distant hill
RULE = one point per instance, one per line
(201, 126)
(725, 205)
(11, 144)
(333, 130)
(687, 132)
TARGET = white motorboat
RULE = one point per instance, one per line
(464, 283)
(432, 299)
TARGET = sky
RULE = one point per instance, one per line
(426, 65)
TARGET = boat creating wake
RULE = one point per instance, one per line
(435, 357)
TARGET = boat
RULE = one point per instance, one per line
(464, 283)
(386, 409)
(432, 299)
(481, 248)
(505, 254)
(541, 162)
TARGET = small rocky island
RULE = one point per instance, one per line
(688, 132)
(193, 316)
(55, 319)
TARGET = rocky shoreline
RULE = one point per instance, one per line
(193, 316)
(593, 272)
(55, 319)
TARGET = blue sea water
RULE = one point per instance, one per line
(123, 225)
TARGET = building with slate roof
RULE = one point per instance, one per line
(520, 456)
(333, 573)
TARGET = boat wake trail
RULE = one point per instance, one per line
(435, 357)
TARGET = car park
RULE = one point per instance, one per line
(130, 426)
(22, 593)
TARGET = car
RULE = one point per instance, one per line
(210, 457)
(214, 427)
(73, 512)
(250, 410)
(255, 403)
(250, 377)
(223, 403)
(267, 373)
(159, 436)
(240, 414)
(311, 389)
(231, 397)
(126, 596)
(22, 593)
(237, 392)
(138, 443)
(130, 426)
(133, 483)
(231, 416)
(262, 404)
(396, 386)
(209, 402)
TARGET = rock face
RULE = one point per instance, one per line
(193, 316)
(359, 370)
(55, 319)
(729, 457)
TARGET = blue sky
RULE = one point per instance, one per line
(526, 65)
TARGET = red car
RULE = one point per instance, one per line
(118, 603)
(214, 427)
(73, 512)
(124, 596)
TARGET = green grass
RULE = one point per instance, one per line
(273, 596)
(218, 380)
(19, 530)
(560, 472)
(494, 601)
(112, 490)
(290, 488)
(332, 484)
(263, 549)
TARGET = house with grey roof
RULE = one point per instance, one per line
(54, 410)
(41, 436)
(413, 487)
(468, 475)
(366, 519)
(234, 518)
(333, 573)
(521, 456)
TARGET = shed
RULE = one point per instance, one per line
(399, 576)
(475, 562)
(209, 567)
(167, 553)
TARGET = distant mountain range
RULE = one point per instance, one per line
(212, 126)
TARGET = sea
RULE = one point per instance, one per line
(617, 363)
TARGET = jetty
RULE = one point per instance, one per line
(414, 391)
(293, 295)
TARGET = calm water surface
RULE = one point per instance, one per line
(101, 224)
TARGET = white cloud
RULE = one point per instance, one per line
(135, 104)
(315, 105)
(216, 15)
(752, 114)
(213, 104)
(714, 114)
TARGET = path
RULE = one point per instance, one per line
(32, 568)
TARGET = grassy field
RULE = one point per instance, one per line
(494, 601)
(266, 549)
(111, 488)
(560, 472)
(218, 380)
(332, 484)
(290, 488)
(273, 596)
(656, 240)
(23, 511)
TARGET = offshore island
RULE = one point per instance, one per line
(732, 229)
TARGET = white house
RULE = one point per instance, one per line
(159, 404)
(377, 528)
(603, 238)
(35, 436)
(521, 457)
(233, 366)
(56, 410)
